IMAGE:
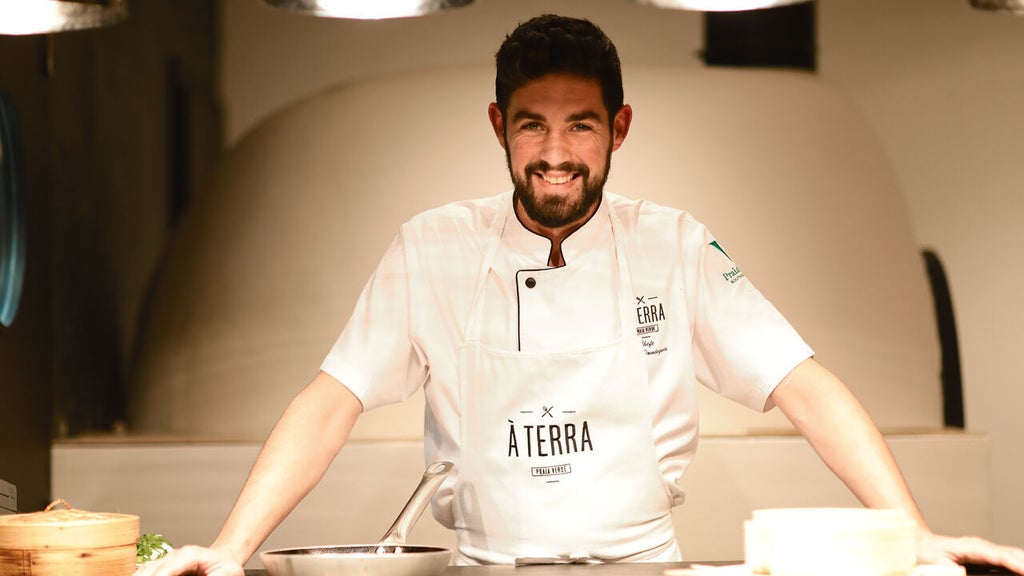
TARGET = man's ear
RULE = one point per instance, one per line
(497, 122)
(620, 125)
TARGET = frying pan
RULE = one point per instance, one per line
(390, 556)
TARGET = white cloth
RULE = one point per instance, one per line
(698, 318)
(558, 458)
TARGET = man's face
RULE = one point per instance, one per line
(558, 143)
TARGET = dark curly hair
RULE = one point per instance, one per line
(550, 44)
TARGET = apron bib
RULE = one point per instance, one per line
(557, 453)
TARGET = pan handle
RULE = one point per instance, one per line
(432, 479)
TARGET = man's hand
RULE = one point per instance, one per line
(192, 560)
(935, 549)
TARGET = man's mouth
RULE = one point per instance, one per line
(557, 179)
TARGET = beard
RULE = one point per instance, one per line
(558, 211)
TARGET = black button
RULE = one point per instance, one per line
(530, 282)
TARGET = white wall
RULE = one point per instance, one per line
(940, 83)
(943, 87)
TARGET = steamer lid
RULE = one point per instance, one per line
(67, 528)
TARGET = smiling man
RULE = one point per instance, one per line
(558, 142)
(559, 332)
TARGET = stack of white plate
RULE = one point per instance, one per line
(832, 541)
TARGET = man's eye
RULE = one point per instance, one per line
(581, 128)
(531, 126)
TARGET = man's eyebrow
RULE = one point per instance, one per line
(585, 115)
(526, 115)
(521, 115)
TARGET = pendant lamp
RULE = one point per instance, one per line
(1011, 6)
(20, 17)
(717, 5)
(368, 9)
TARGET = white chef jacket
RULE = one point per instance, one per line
(698, 318)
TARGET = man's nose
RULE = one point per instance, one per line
(556, 149)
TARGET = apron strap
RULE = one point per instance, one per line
(624, 287)
(491, 242)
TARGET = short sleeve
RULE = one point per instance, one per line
(374, 356)
(743, 346)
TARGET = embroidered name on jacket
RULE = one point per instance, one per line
(650, 314)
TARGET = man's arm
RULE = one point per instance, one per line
(294, 458)
(827, 414)
(840, 430)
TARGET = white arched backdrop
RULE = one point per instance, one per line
(270, 261)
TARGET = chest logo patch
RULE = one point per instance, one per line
(650, 316)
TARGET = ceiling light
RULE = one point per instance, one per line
(1012, 6)
(368, 9)
(717, 5)
(20, 17)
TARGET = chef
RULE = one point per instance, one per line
(559, 332)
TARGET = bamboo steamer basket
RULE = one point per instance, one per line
(68, 542)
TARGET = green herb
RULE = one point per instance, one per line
(150, 547)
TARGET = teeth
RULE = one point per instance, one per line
(554, 180)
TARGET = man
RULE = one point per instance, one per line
(555, 379)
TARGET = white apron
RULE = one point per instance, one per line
(557, 453)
